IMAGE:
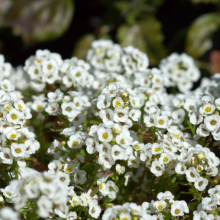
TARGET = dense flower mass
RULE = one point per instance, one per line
(106, 139)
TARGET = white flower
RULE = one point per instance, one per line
(133, 161)
(202, 130)
(71, 216)
(209, 202)
(195, 118)
(207, 109)
(150, 120)
(52, 108)
(178, 208)
(162, 121)
(14, 116)
(120, 115)
(124, 139)
(103, 101)
(118, 102)
(32, 190)
(197, 215)
(137, 146)
(213, 161)
(190, 105)
(92, 144)
(118, 153)
(112, 189)
(109, 213)
(135, 114)
(157, 149)
(7, 213)
(212, 122)
(6, 156)
(107, 116)
(120, 169)
(38, 105)
(180, 168)
(125, 216)
(157, 169)
(192, 175)
(104, 134)
(18, 150)
(44, 206)
(136, 101)
(63, 178)
(13, 135)
(201, 183)
(178, 116)
(159, 205)
(165, 196)
(104, 148)
(69, 168)
(106, 160)
(165, 158)
(94, 209)
(74, 142)
(68, 109)
(7, 86)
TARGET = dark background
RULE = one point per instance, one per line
(89, 16)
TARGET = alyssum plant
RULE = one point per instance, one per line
(117, 144)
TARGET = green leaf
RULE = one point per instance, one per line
(94, 191)
(200, 32)
(173, 180)
(193, 205)
(39, 20)
(145, 35)
(82, 46)
(94, 122)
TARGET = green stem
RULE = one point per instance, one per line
(192, 128)
(153, 134)
(41, 141)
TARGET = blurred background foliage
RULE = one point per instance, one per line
(157, 27)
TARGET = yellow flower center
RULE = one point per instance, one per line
(39, 107)
(157, 149)
(165, 159)
(207, 109)
(136, 147)
(49, 66)
(13, 136)
(78, 74)
(68, 169)
(161, 121)
(75, 143)
(18, 150)
(75, 202)
(177, 211)
(159, 207)
(118, 103)
(7, 107)
(14, 116)
(105, 135)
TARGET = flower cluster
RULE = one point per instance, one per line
(17, 141)
(5, 68)
(209, 206)
(112, 137)
(153, 210)
(43, 68)
(45, 190)
(119, 108)
(180, 71)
